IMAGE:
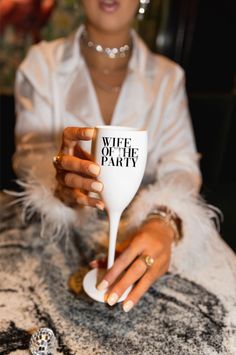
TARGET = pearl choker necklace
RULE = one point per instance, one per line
(120, 52)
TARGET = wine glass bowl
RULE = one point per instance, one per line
(121, 153)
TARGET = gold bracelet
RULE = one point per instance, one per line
(169, 218)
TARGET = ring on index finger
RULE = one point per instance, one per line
(57, 159)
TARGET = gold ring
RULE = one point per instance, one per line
(57, 159)
(147, 259)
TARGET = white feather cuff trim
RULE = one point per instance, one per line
(196, 216)
(57, 220)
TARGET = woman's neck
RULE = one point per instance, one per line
(109, 39)
(99, 60)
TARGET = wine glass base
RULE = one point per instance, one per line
(92, 279)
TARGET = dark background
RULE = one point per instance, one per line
(200, 35)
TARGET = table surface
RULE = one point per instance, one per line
(176, 316)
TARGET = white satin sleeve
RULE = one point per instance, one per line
(35, 146)
(177, 143)
(177, 184)
(177, 159)
(34, 112)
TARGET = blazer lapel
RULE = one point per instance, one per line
(136, 96)
(75, 84)
(81, 99)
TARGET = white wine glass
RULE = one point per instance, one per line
(121, 153)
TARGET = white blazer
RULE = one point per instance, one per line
(54, 90)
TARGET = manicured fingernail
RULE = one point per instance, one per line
(112, 299)
(100, 206)
(94, 169)
(81, 202)
(97, 186)
(127, 306)
(103, 285)
(88, 132)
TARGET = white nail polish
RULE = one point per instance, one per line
(112, 299)
(97, 186)
(81, 202)
(94, 169)
(128, 305)
(100, 206)
(103, 285)
(89, 132)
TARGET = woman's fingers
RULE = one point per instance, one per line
(82, 154)
(75, 174)
(77, 165)
(75, 196)
(78, 133)
(144, 284)
(120, 264)
(72, 135)
(86, 200)
(65, 167)
(78, 182)
(135, 271)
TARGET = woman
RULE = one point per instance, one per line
(73, 83)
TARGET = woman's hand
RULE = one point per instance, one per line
(75, 172)
(154, 239)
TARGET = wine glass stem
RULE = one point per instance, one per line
(114, 219)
